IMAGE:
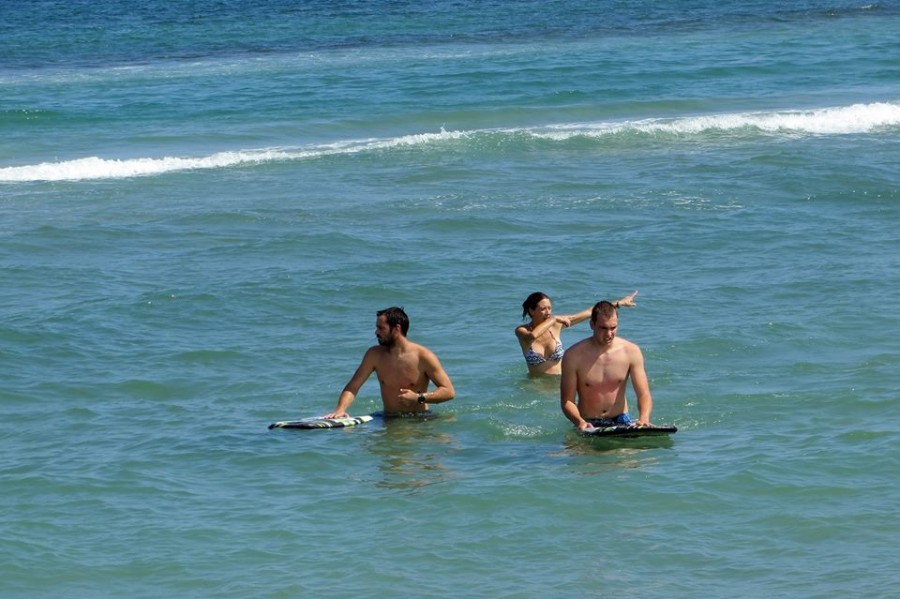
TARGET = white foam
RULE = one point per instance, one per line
(858, 118)
(99, 168)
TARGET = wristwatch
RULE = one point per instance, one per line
(422, 398)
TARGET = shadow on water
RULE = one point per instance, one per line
(411, 451)
(592, 455)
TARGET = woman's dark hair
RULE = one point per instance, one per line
(532, 301)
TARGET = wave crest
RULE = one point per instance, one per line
(855, 119)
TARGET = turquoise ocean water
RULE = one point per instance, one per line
(203, 204)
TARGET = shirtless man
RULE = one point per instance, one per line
(404, 370)
(597, 369)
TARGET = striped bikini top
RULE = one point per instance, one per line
(532, 358)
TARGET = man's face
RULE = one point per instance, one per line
(605, 329)
(383, 332)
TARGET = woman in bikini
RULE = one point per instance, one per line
(540, 339)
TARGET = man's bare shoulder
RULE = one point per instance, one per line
(376, 354)
(578, 348)
(629, 347)
(423, 352)
(626, 343)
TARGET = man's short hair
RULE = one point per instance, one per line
(394, 316)
(603, 311)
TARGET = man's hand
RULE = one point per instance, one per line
(410, 397)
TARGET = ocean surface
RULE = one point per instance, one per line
(203, 204)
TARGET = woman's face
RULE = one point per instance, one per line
(542, 311)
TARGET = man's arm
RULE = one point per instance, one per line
(641, 386)
(568, 387)
(365, 369)
(435, 372)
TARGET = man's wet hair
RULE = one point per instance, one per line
(603, 311)
(394, 316)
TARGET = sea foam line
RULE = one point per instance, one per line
(858, 118)
(93, 168)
